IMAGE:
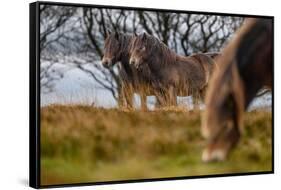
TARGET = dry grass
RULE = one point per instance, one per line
(87, 144)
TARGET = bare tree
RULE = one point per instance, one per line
(79, 34)
(213, 32)
(95, 23)
(53, 35)
(189, 33)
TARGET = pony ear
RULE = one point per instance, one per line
(144, 36)
(116, 35)
(107, 33)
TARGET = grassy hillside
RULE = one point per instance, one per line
(86, 144)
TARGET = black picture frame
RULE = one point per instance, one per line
(34, 95)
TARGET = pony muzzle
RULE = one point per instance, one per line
(134, 62)
(106, 62)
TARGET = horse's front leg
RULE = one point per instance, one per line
(126, 96)
(122, 96)
(195, 99)
(159, 95)
(143, 101)
(172, 96)
(203, 93)
(130, 96)
(166, 97)
(143, 89)
(160, 101)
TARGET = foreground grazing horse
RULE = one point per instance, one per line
(246, 65)
(170, 74)
(116, 49)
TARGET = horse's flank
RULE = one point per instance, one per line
(170, 69)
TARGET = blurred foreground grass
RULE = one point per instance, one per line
(87, 144)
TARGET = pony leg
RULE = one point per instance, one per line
(173, 100)
(203, 93)
(160, 97)
(157, 103)
(125, 98)
(172, 97)
(143, 89)
(121, 97)
(196, 98)
(219, 148)
(129, 96)
(143, 101)
(160, 101)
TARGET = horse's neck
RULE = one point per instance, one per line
(252, 84)
(125, 66)
(124, 55)
(254, 59)
(169, 58)
(162, 63)
(125, 46)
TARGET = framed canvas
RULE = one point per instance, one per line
(126, 94)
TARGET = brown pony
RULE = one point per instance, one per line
(116, 49)
(171, 74)
(246, 65)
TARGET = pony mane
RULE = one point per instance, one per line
(123, 39)
(154, 45)
(244, 42)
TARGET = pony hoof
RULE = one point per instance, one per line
(213, 155)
